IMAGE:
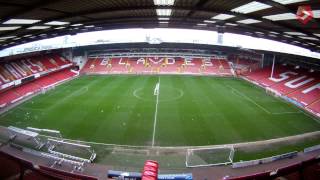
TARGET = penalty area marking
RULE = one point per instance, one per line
(249, 99)
(156, 93)
(264, 109)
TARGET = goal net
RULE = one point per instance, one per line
(272, 92)
(71, 150)
(209, 156)
(46, 89)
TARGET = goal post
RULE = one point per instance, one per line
(201, 157)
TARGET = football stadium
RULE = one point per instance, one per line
(160, 89)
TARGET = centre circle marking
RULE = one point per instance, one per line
(181, 93)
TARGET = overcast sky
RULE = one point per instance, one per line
(167, 35)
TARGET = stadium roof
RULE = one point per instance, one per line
(23, 21)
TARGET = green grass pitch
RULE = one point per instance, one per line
(188, 111)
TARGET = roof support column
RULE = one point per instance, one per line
(220, 35)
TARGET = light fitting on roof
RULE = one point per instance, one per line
(163, 18)
(164, 12)
(249, 21)
(163, 2)
(295, 33)
(309, 38)
(56, 23)
(7, 37)
(11, 28)
(317, 35)
(60, 27)
(209, 21)
(21, 21)
(201, 24)
(281, 17)
(223, 16)
(288, 1)
(251, 7)
(163, 22)
(74, 25)
(38, 27)
(287, 36)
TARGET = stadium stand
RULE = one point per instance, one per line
(16, 168)
(297, 84)
(162, 65)
(20, 79)
(8, 168)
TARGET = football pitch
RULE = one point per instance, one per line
(161, 111)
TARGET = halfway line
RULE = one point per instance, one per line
(156, 93)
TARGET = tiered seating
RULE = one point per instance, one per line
(301, 80)
(9, 168)
(315, 107)
(32, 175)
(88, 67)
(307, 94)
(172, 66)
(61, 60)
(28, 88)
(33, 64)
(224, 63)
(7, 97)
(224, 67)
(45, 81)
(299, 84)
(62, 75)
(257, 75)
(267, 82)
(19, 92)
(193, 67)
(147, 65)
(23, 68)
(119, 65)
(46, 63)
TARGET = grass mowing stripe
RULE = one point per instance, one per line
(157, 93)
(206, 113)
(249, 99)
